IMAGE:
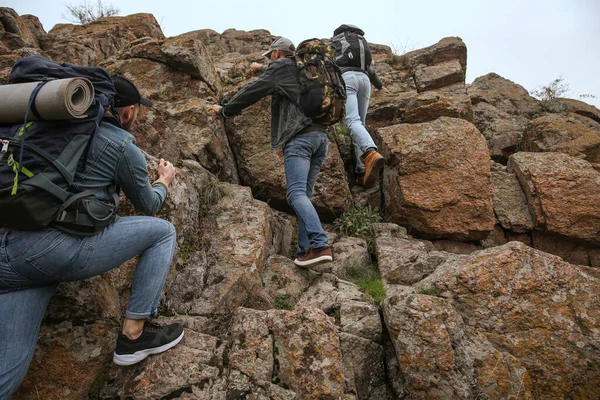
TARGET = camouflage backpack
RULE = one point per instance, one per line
(323, 95)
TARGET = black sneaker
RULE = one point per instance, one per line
(153, 340)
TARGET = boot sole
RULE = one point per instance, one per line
(313, 262)
(373, 176)
(130, 359)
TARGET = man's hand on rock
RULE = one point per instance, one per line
(216, 108)
(166, 171)
(255, 67)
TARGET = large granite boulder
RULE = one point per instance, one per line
(571, 134)
(93, 43)
(538, 313)
(579, 107)
(299, 351)
(18, 31)
(502, 131)
(437, 178)
(449, 53)
(68, 361)
(442, 359)
(563, 193)
(235, 41)
(505, 95)
(510, 203)
(402, 260)
(19, 37)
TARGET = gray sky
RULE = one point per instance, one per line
(530, 42)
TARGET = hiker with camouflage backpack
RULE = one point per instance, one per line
(303, 138)
(353, 56)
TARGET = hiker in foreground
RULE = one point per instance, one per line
(304, 143)
(32, 263)
(353, 56)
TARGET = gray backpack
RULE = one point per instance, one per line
(351, 48)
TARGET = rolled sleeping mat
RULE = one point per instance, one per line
(56, 100)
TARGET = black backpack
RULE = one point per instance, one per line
(38, 159)
(323, 94)
(351, 48)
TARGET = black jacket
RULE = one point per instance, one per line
(281, 81)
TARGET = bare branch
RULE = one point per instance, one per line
(85, 12)
(556, 88)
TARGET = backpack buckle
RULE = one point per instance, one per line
(4, 150)
(61, 217)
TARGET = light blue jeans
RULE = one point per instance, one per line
(303, 157)
(358, 90)
(34, 263)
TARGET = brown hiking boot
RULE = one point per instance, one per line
(373, 164)
(316, 256)
(360, 179)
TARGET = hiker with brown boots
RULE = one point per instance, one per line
(353, 56)
(304, 143)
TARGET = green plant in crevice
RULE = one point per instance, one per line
(357, 222)
(189, 246)
(283, 303)
(429, 291)
(366, 277)
(341, 129)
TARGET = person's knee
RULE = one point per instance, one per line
(170, 230)
(294, 194)
(353, 120)
(163, 231)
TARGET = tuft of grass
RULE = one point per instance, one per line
(366, 278)
(429, 291)
(283, 303)
(341, 129)
(357, 221)
(212, 192)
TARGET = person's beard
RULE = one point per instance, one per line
(127, 125)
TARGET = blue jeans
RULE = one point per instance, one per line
(358, 90)
(33, 263)
(303, 157)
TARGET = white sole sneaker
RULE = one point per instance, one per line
(130, 359)
(314, 261)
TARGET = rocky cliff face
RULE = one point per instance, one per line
(488, 251)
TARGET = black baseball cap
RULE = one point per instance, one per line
(127, 93)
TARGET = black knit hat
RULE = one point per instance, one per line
(127, 93)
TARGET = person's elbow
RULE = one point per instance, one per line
(150, 208)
